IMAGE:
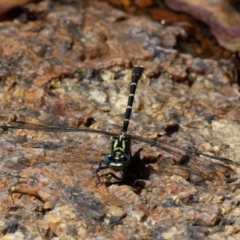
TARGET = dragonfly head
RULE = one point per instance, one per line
(118, 162)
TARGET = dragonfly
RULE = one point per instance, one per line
(120, 159)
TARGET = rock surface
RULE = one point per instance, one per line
(71, 65)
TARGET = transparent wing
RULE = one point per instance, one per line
(200, 163)
(197, 162)
(168, 147)
(47, 128)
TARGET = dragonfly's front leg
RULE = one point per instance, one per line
(100, 167)
(106, 175)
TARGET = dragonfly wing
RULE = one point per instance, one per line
(205, 165)
(47, 128)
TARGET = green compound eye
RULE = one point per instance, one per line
(108, 158)
(125, 160)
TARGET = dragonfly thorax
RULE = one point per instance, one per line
(119, 156)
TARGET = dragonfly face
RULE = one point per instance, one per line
(120, 153)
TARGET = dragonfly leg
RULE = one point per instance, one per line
(100, 167)
(106, 175)
(118, 179)
(109, 174)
